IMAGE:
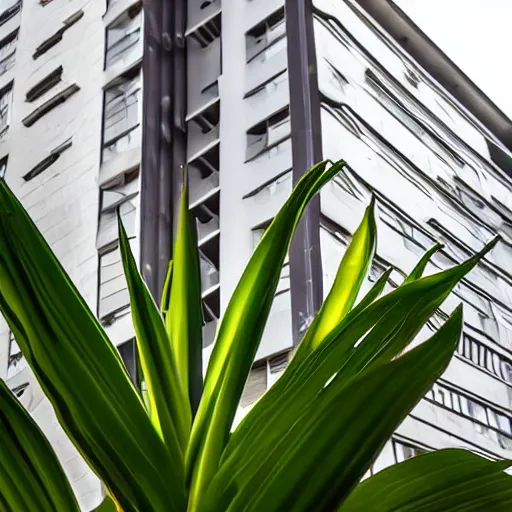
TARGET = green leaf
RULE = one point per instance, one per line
(375, 290)
(345, 289)
(31, 477)
(391, 323)
(318, 461)
(107, 505)
(168, 403)
(166, 291)
(418, 270)
(78, 368)
(240, 333)
(447, 480)
(185, 319)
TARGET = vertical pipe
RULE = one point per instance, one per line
(305, 257)
(151, 144)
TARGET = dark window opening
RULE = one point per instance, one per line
(207, 33)
(10, 12)
(205, 4)
(19, 390)
(208, 118)
(57, 37)
(16, 362)
(501, 157)
(48, 161)
(128, 353)
(48, 106)
(45, 84)
(211, 305)
(3, 165)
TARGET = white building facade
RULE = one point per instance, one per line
(70, 148)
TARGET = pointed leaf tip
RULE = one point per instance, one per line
(418, 270)
(480, 255)
(184, 177)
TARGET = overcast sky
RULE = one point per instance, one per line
(476, 35)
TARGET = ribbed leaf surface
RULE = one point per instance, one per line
(168, 402)
(446, 480)
(31, 477)
(317, 463)
(240, 333)
(78, 368)
(391, 323)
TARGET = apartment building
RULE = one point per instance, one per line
(249, 115)
(70, 145)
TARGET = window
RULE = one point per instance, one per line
(3, 165)
(272, 185)
(114, 299)
(49, 105)
(124, 36)
(5, 108)
(209, 265)
(210, 319)
(268, 33)
(200, 11)
(255, 385)
(203, 174)
(349, 182)
(8, 52)
(122, 113)
(20, 390)
(207, 219)
(57, 37)
(486, 358)
(268, 133)
(48, 161)
(128, 353)
(414, 237)
(9, 9)
(203, 64)
(268, 86)
(276, 366)
(208, 32)
(203, 130)
(404, 451)
(482, 415)
(45, 84)
(16, 362)
(419, 128)
(263, 375)
(121, 195)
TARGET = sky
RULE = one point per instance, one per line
(476, 35)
